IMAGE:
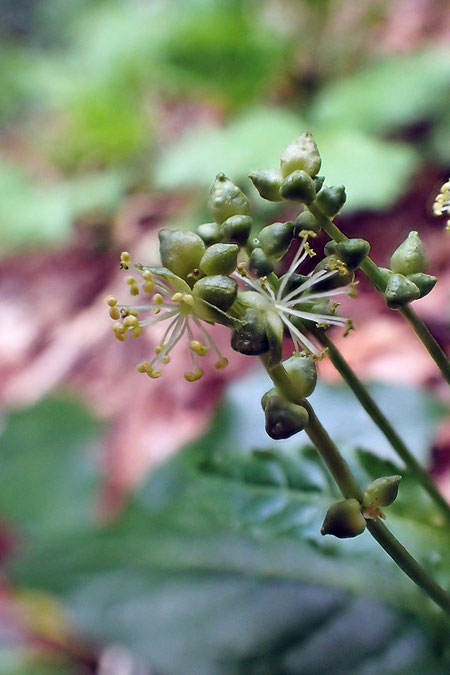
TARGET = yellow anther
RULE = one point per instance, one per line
(158, 349)
(147, 275)
(154, 374)
(188, 299)
(130, 320)
(148, 286)
(193, 377)
(197, 347)
(166, 359)
(124, 260)
(111, 301)
(114, 313)
(130, 280)
(144, 367)
(136, 331)
(134, 290)
(241, 269)
(158, 299)
(349, 327)
(177, 297)
(221, 363)
(309, 250)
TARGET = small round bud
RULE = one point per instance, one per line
(259, 264)
(341, 277)
(267, 182)
(302, 372)
(306, 221)
(210, 233)
(226, 199)
(250, 338)
(410, 257)
(301, 155)
(353, 252)
(180, 251)
(330, 200)
(275, 239)
(283, 418)
(218, 291)
(293, 281)
(236, 229)
(330, 247)
(344, 519)
(424, 282)
(299, 187)
(382, 491)
(318, 182)
(400, 291)
(219, 259)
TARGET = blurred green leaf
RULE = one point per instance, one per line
(374, 172)
(389, 94)
(47, 483)
(25, 662)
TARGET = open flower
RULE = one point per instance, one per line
(170, 299)
(441, 204)
(299, 299)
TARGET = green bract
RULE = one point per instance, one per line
(180, 251)
(301, 155)
(226, 199)
(344, 519)
(219, 259)
(410, 256)
(283, 418)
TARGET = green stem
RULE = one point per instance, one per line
(381, 421)
(347, 484)
(371, 270)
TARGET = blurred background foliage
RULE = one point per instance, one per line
(114, 112)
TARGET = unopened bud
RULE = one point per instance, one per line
(382, 491)
(341, 277)
(424, 282)
(267, 182)
(259, 264)
(283, 418)
(180, 251)
(410, 257)
(318, 182)
(219, 259)
(302, 372)
(330, 200)
(226, 199)
(218, 291)
(301, 155)
(400, 291)
(353, 252)
(210, 233)
(344, 519)
(236, 229)
(251, 337)
(275, 239)
(299, 187)
(306, 221)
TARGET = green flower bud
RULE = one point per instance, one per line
(299, 187)
(400, 291)
(353, 252)
(293, 281)
(385, 274)
(261, 329)
(283, 418)
(302, 372)
(236, 229)
(259, 264)
(410, 256)
(180, 251)
(301, 155)
(424, 282)
(267, 182)
(381, 492)
(343, 275)
(251, 338)
(330, 247)
(226, 199)
(318, 182)
(218, 291)
(275, 239)
(344, 519)
(210, 233)
(306, 221)
(330, 200)
(219, 259)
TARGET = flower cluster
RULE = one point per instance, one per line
(442, 202)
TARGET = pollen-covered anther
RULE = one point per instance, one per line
(144, 367)
(241, 269)
(131, 281)
(154, 374)
(114, 312)
(221, 363)
(177, 297)
(348, 327)
(309, 250)
(119, 332)
(188, 299)
(124, 260)
(193, 376)
(198, 348)
(352, 291)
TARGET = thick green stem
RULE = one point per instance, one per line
(371, 270)
(381, 421)
(344, 478)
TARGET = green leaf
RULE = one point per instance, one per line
(392, 93)
(47, 483)
(374, 172)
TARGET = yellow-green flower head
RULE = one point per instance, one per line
(295, 300)
(168, 297)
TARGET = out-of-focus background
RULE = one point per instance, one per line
(121, 556)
